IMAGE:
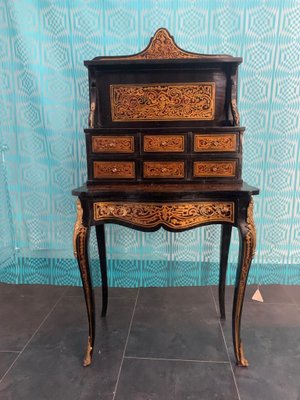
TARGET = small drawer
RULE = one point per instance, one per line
(114, 169)
(113, 144)
(163, 170)
(215, 142)
(163, 143)
(210, 169)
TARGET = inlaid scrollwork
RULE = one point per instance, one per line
(215, 142)
(161, 46)
(173, 215)
(214, 168)
(80, 239)
(249, 245)
(114, 169)
(163, 143)
(113, 144)
(161, 101)
(159, 169)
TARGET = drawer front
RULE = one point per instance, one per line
(215, 142)
(163, 143)
(210, 169)
(114, 169)
(113, 144)
(163, 170)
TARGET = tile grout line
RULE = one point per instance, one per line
(292, 299)
(32, 336)
(125, 347)
(227, 351)
(10, 351)
(176, 359)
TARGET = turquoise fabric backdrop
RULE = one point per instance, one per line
(44, 108)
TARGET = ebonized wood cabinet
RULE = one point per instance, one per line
(164, 149)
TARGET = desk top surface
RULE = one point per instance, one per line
(168, 190)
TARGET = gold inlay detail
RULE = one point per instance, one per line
(248, 254)
(114, 169)
(162, 101)
(80, 243)
(161, 46)
(166, 169)
(113, 144)
(163, 143)
(215, 142)
(172, 215)
(214, 168)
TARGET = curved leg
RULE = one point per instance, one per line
(225, 243)
(80, 242)
(100, 233)
(247, 249)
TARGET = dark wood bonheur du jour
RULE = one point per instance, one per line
(164, 149)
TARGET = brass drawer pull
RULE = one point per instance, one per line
(114, 169)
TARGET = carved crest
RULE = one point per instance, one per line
(161, 46)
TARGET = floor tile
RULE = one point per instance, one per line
(57, 351)
(175, 380)
(176, 323)
(67, 326)
(271, 336)
(293, 292)
(6, 359)
(112, 292)
(31, 290)
(270, 293)
(56, 374)
(24, 310)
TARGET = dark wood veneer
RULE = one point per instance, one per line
(178, 202)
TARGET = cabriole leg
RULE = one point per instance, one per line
(100, 233)
(80, 243)
(225, 244)
(247, 235)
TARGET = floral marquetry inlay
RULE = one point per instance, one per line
(161, 46)
(113, 144)
(214, 168)
(114, 169)
(173, 215)
(215, 142)
(161, 101)
(163, 143)
(163, 169)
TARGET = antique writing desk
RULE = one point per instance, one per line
(164, 149)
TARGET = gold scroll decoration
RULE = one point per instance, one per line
(214, 168)
(215, 142)
(162, 46)
(172, 215)
(162, 101)
(114, 169)
(249, 252)
(163, 169)
(113, 144)
(79, 245)
(163, 143)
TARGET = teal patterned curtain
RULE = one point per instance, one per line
(44, 107)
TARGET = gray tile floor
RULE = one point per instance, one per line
(155, 343)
